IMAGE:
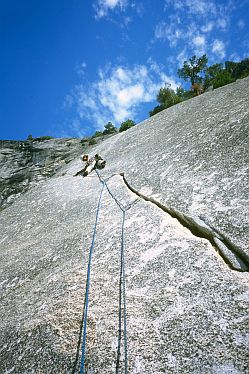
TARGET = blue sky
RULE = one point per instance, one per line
(70, 66)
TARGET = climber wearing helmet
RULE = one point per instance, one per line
(92, 163)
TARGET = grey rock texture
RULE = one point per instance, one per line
(23, 163)
(194, 157)
(187, 311)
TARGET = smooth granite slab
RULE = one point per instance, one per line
(187, 311)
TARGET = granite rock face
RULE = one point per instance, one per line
(23, 163)
(194, 157)
(187, 311)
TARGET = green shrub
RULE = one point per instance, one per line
(211, 73)
(45, 137)
(188, 95)
(84, 140)
(193, 69)
(245, 74)
(126, 125)
(238, 69)
(156, 110)
(167, 97)
(92, 141)
(97, 134)
(183, 94)
(222, 78)
(40, 138)
(109, 129)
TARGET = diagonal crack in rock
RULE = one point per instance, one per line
(232, 255)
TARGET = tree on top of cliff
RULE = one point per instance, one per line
(109, 129)
(192, 68)
(126, 125)
(168, 97)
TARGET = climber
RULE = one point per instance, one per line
(92, 163)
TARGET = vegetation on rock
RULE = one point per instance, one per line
(109, 129)
(84, 140)
(40, 138)
(202, 78)
(92, 141)
(192, 69)
(126, 125)
(97, 134)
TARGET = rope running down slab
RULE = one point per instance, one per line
(122, 290)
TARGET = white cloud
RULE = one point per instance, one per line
(222, 23)
(130, 95)
(176, 33)
(199, 41)
(111, 3)
(206, 15)
(178, 4)
(118, 93)
(81, 68)
(199, 44)
(201, 7)
(182, 56)
(194, 7)
(102, 7)
(168, 31)
(192, 29)
(208, 27)
(234, 57)
(192, 18)
(218, 47)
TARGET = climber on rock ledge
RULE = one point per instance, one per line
(92, 162)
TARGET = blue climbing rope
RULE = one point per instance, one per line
(124, 295)
(82, 366)
(122, 289)
(122, 298)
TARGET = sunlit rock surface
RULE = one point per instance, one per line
(194, 157)
(187, 311)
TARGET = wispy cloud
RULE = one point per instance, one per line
(68, 102)
(207, 27)
(197, 27)
(218, 48)
(80, 68)
(199, 41)
(199, 44)
(223, 23)
(171, 32)
(103, 7)
(235, 57)
(182, 56)
(118, 93)
(71, 127)
(194, 7)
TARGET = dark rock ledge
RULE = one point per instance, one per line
(25, 163)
